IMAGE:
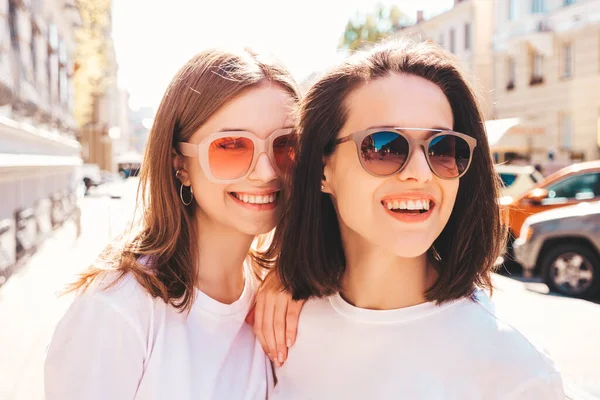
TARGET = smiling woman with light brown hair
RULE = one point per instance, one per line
(391, 232)
(163, 316)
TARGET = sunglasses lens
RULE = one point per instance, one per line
(230, 157)
(284, 149)
(384, 153)
(449, 156)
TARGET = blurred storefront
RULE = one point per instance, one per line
(546, 62)
(39, 151)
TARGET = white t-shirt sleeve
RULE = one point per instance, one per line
(96, 353)
(547, 387)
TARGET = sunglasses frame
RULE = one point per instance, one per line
(358, 137)
(200, 150)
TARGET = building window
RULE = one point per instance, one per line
(537, 69)
(568, 2)
(441, 40)
(567, 60)
(13, 25)
(467, 36)
(566, 131)
(511, 72)
(33, 48)
(14, 35)
(452, 41)
(62, 72)
(512, 9)
(36, 11)
(52, 60)
(537, 6)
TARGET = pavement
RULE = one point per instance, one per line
(31, 303)
(567, 329)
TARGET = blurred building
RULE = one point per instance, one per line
(39, 153)
(132, 135)
(97, 96)
(547, 76)
(122, 132)
(465, 30)
(140, 122)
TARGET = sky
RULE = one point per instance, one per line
(154, 38)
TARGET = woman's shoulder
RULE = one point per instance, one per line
(121, 293)
(107, 328)
(482, 318)
(113, 285)
(502, 350)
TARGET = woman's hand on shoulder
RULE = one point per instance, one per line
(275, 318)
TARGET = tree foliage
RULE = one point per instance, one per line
(92, 57)
(377, 25)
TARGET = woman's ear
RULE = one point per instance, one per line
(325, 182)
(179, 169)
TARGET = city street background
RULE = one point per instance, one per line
(80, 81)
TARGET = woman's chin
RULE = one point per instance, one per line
(256, 229)
(411, 249)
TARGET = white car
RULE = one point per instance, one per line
(517, 179)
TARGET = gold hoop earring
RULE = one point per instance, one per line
(181, 195)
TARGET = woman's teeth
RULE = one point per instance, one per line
(416, 205)
(255, 199)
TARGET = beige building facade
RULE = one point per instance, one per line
(547, 78)
(465, 30)
(39, 153)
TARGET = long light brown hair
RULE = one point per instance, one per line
(166, 236)
(307, 247)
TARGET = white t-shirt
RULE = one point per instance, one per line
(121, 344)
(457, 351)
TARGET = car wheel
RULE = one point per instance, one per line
(572, 270)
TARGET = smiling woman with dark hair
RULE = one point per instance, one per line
(391, 230)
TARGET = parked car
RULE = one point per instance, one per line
(571, 185)
(563, 246)
(517, 179)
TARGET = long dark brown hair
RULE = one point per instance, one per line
(166, 237)
(307, 247)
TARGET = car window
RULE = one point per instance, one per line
(507, 179)
(578, 187)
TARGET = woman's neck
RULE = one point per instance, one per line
(221, 254)
(378, 280)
